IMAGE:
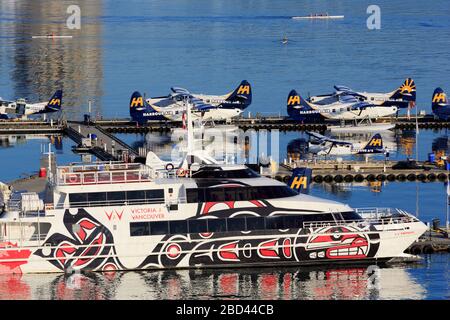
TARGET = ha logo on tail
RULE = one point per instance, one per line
(375, 145)
(300, 180)
(440, 105)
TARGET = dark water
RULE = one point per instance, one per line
(209, 46)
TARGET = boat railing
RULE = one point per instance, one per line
(102, 174)
(383, 216)
(377, 213)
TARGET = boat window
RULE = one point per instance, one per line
(159, 228)
(217, 225)
(275, 223)
(238, 193)
(139, 229)
(241, 194)
(236, 224)
(76, 198)
(154, 195)
(248, 223)
(292, 222)
(215, 194)
(318, 217)
(351, 216)
(192, 195)
(217, 173)
(230, 194)
(136, 195)
(96, 196)
(198, 226)
(255, 223)
(178, 226)
(116, 196)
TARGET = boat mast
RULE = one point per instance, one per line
(190, 129)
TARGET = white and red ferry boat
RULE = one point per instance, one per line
(129, 216)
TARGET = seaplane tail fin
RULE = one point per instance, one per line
(439, 99)
(406, 92)
(55, 102)
(153, 161)
(241, 95)
(296, 104)
(138, 106)
(300, 180)
(375, 144)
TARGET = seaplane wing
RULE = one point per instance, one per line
(180, 91)
(184, 94)
(346, 91)
(361, 106)
(322, 139)
(200, 105)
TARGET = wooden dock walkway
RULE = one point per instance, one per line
(105, 146)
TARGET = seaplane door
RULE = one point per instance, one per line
(20, 108)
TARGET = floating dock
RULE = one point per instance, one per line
(330, 171)
(430, 242)
(255, 123)
(13, 127)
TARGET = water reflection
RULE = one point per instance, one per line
(298, 148)
(7, 141)
(406, 142)
(220, 142)
(40, 66)
(256, 283)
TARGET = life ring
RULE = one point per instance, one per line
(181, 172)
(73, 178)
(169, 167)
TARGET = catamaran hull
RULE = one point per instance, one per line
(77, 241)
